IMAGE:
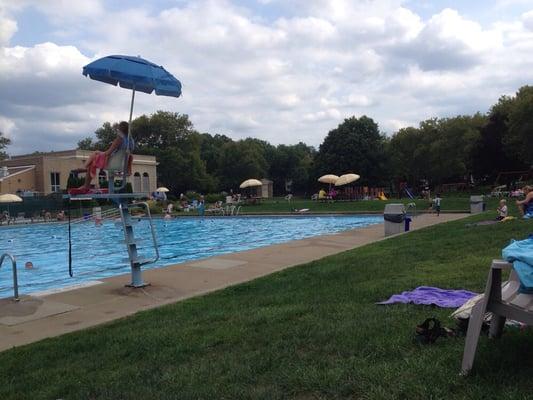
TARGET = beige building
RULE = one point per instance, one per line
(48, 172)
(267, 188)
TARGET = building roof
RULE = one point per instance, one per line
(75, 153)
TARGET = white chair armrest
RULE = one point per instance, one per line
(501, 264)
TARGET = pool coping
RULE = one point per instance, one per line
(101, 303)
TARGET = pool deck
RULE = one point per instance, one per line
(35, 318)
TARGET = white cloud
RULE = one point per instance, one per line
(6, 126)
(449, 41)
(288, 80)
(329, 114)
(527, 20)
(8, 27)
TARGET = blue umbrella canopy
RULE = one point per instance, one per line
(134, 73)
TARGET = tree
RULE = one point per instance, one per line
(171, 138)
(519, 140)
(356, 146)
(211, 150)
(439, 150)
(407, 153)
(4, 142)
(104, 135)
(291, 166)
(452, 141)
(239, 161)
(489, 156)
(161, 130)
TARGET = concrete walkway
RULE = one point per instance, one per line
(36, 318)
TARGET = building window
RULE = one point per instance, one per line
(55, 183)
(137, 182)
(146, 183)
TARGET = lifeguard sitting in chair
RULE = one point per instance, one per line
(112, 160)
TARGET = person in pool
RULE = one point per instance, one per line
(98, 160)
(526, 206)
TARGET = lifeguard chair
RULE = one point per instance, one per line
(117, 166)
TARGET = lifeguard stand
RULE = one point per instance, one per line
(118, 165)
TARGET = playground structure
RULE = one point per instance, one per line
(516, 177)
(351, 193)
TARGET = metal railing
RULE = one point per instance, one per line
(15, 281)
(152, 229)
(411, 209)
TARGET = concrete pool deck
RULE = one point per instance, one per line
(39, 317)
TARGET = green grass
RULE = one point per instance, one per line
(310, 332)
(280, 205)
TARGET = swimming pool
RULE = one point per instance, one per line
(99, 251)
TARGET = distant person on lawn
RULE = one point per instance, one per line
(436, 204)
(526, 206)
(502, 210)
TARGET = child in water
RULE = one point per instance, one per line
(99, 159)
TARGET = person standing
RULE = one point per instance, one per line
(436, 204)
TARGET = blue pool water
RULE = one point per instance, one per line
(99, 251)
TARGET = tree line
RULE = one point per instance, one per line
(439, 150)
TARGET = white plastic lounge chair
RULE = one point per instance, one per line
(503, 301)
(499, 191)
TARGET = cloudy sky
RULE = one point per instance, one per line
(280, 70)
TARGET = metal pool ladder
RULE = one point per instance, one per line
(15, 281)
(131, 242)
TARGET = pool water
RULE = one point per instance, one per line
(99, 251)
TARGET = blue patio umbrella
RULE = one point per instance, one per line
(134, 73)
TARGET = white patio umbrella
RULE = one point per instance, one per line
(329, 178)
(346, 179)
(10, 198)
(250, 183)
(162, 189)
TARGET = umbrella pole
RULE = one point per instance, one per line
(131, 112)
(112, 187)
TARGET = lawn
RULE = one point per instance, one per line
(280, 205)
(310, 332)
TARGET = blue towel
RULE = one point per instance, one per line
(520, 253)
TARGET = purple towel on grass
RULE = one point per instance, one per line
(428, 295)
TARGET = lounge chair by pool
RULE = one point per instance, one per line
(503, 301)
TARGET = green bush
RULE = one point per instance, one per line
(213, 197)
(190, 195)
(155, 207)
(73, 182)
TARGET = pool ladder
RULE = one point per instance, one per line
(15, 281)
(131, 243)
